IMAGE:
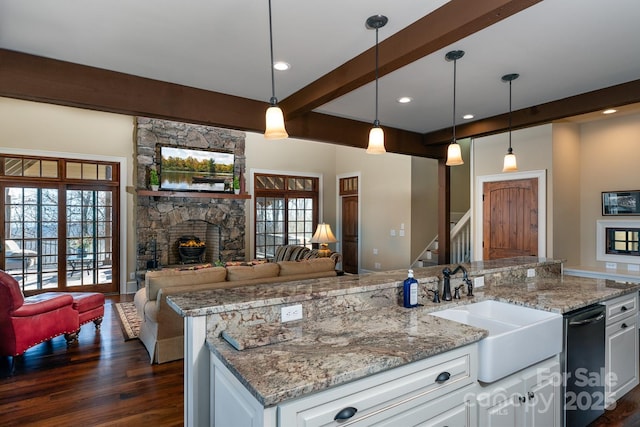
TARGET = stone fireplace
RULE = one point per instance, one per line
(164, 217)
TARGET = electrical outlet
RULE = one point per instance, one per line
(393, 232)
(377, 265)
(375, 251)
(531, 272)
(132, 276)
(633, 267)
(401, 233)
(292, 312)
(478, 282)
(611, 266)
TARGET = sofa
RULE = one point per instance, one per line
(162, 329)
(297, 253)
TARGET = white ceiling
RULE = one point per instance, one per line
(560, 48)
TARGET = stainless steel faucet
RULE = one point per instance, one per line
(446, 288)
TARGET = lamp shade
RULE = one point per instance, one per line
(376, 141)
(454, 155)
(510, 164)
(275, 124)
(323, 234)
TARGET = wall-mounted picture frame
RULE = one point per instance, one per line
(621, 202)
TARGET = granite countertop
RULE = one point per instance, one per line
(316, 355)
(335, 350)
(202, 303)
(559, 294)
(307, 356)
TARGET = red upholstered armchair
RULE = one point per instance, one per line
(25, 322)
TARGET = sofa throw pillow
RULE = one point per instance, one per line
(290, 252)
(245, 272)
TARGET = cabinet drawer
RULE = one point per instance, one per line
(387, 391)
(621, 307)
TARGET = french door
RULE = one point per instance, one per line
(60, 236)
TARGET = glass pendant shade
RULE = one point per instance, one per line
(510, 164)
(275, 124)
(376, 141)
(454, 155)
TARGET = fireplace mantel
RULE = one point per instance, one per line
(194, 194)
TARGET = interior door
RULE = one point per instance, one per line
(349, 234)
(510, 218)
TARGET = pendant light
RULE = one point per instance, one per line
(274, 118)
(376, 134)
(454, 154)
(510, 164)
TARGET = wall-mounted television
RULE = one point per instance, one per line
(187, 169)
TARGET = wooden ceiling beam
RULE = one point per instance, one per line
(33, 78)
(613, 96)
(446, 25)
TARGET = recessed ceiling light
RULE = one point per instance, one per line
(609, 111)
(405, 99)
(281, 66)
(468, 116)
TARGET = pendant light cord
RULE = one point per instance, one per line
(455, 62)
(273, 99)
(510, 149)
(376, 121)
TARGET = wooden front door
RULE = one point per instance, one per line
(349, 235)
(510, 218)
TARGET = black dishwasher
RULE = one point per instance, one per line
(583, 360)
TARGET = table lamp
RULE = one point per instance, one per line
(324, 236)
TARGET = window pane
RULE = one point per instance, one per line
(49, 169)
(12, 166)
(89, 171)
(32, 168)
(105, 172)
(74, 170)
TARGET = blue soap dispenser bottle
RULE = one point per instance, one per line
(410, 291)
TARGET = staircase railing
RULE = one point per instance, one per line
(460, 241)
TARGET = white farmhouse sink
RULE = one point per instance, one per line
(518, 336)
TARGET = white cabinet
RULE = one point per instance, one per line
(529, 398)
(436, 391)
(621, 340)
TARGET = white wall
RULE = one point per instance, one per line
(385, 200)
(610, 161)
(385, 185)
(567, 213)
(50, 130)
(533, 150)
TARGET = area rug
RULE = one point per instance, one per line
(129, 320)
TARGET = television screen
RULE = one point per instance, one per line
(186, 169)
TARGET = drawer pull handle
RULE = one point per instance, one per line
(444, 376)
(522, 399)
(345, 414)
(623, 326)
(531, 395)
(623, 308)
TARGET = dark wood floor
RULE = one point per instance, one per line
(100, 381)
(104, 381)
